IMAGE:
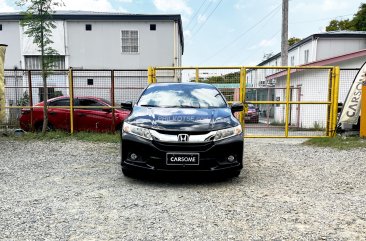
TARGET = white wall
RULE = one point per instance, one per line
(334, 47)
(58, 38)
(10, 36)
(101, 47)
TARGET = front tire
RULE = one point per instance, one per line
(38, 127)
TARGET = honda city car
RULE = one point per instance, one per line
(85, 119)
(182, 127)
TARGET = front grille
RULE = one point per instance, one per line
(183, 146)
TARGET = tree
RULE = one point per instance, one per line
(38, 24)
(359, 20)
(357, 23)
(293, 40)
(336, 25)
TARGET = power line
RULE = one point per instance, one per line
(239, 51)
(244, 33)
(207, 18)
(322, 19)
(203, 13)
(190, 21)
(272, 37)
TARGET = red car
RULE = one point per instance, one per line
(252, 116)
(85, 119)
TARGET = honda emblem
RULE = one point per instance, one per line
(183, 137)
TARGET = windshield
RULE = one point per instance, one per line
(182, 96)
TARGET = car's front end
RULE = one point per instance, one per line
(210, 151)
(182, 139)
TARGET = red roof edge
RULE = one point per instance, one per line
(323, 62)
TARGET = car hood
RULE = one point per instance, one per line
(182, 119)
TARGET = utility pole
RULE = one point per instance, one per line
(284, 35)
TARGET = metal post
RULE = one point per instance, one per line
(154, 75)
(30, 99)
(363, 110)
(335, 100)
(149, 75)
(287, 101)
(71, 91)
(330, 99)
(268, 108)
(197, 75)
(284, 34)
(112, 101)
(242, 92)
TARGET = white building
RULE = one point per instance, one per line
(344, 49)
(99, 41)
(89, 40)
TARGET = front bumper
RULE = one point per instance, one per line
(151, 155)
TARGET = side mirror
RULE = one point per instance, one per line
(127, 105)
(236, 107)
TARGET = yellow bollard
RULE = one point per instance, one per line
(2, 85)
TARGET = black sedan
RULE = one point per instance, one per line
(182, 127)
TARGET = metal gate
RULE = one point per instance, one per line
(280, 102)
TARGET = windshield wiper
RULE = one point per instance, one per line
(182, 106)
(149, 105)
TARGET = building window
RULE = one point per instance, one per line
(292, 60)
(1, 27)
(306, 56)
(88, 27)
(90, 81)
(34, 62)
(152, 27)
(130, 41)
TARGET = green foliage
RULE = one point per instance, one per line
(341, 143)
(64, 136)
(359, 20)
(293, 40)
(38, 24)
(214, 79)
(227, 78)
(24, 100)
(357, 23)
(336, 25)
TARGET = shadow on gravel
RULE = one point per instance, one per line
(185, 179)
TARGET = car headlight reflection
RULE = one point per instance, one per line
(136, 130)
(229, 132)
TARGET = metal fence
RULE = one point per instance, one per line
(24, 89)
(281, 101)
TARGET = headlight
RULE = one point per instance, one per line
(229, 132)
(136, 130)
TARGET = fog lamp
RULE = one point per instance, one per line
(230, 158)
(133, 156)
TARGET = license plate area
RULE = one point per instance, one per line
(182, 159)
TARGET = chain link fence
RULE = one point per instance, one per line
(24, 89)
(277, 106)
(279, 101)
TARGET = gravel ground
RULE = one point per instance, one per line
(76, 191)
